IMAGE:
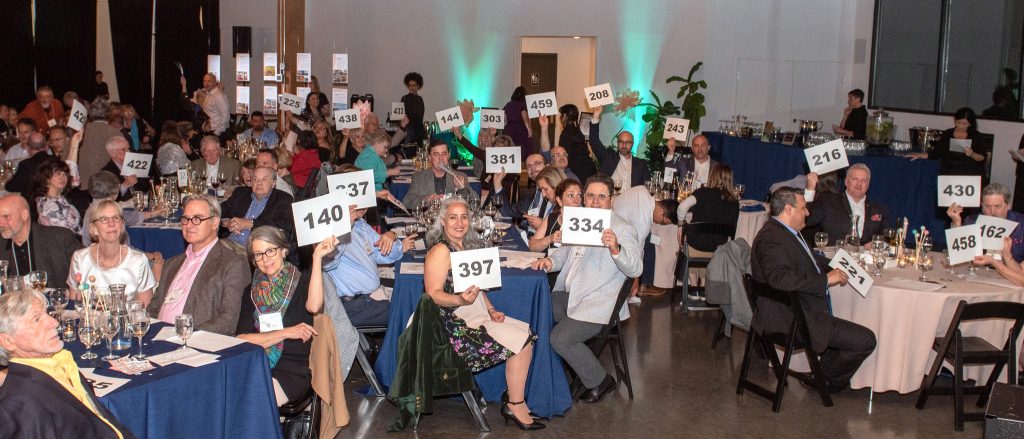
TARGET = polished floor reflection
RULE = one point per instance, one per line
(684, 389)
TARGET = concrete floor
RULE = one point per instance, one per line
(684, 389)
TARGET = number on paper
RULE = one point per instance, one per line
(676, 128)
(450, 118)
(964, 190)
(136, 164)
(827, 157)
(347, 119)
(78, 116)
(397, 110)
(491, 118)
(993, 230)
(507, 159)
(964, 243)
(584, 226)
(317, 218)
(290, 102)
(857, 277)
(357, 186)
(599, 95)
(480, 268)
(541, 104)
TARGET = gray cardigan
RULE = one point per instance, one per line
(725, 282)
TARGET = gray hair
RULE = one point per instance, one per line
(271, 171)
(209, 140)
(210, 200)
(784, 197)
(379, 136)
(268, 234)
(14, 306)
(114, 142)
(99, 109)
(860, 166)
(93, 213)
(436, 231)
(103, 184)
(996, 189)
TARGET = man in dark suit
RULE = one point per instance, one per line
(44, 394)
(833, 213)
(620, 164)
(117, 148)
(699, 163)
(432, 183)
(208, 280)
(529, 201)
(29, 246)
(36, 148)
(259, 205)
(782, 259)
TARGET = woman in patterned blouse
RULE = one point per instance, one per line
(48, 190)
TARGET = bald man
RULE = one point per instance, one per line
(117, 148)
(35, 147)
(216, 105)
(700, 163)
(619, 164)
(30, 246)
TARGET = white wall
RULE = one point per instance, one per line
(261, 15)
(105, 48)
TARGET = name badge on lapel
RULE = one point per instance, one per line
(271, 322)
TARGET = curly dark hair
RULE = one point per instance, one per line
(413, 76)
(39, 185)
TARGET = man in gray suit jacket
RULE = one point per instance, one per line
(586, 289)
(29, 246)
(432, 183)
(207, 280)
(213, 163)
(700, 163)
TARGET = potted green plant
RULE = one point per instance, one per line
(692, 108)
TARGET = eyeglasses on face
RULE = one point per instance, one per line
(195, 220)
(270, 252)
(109, 219)
(592, 196)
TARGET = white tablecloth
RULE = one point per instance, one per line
(750, 223)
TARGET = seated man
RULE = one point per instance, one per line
(35, 150)
(620, 164)
(207, 280)
(833, 213)
(258, 130)
(995, 201)
(585, 291)
(560, 160)
(528, 201)
(782, 259)
(268, 158)
(433, 183)
(117, 148)
(700, 163)
(29, 246)
(44, 394)
(212, 164)
(251, 207)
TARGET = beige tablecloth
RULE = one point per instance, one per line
(906, 322)
(750, 223)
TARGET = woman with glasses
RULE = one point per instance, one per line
(568, 193)
(108, 261)
(48, 190)
(274, 315)
(324, 139)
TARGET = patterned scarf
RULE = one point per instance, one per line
(273, 295)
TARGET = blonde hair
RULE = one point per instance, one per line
(93, 213)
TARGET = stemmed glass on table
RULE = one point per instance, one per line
(820, 241)
(140, 326)
(109, 326)
(740, 188)
(925, 264)
(88, 334)
(183, 327)
(947, 267)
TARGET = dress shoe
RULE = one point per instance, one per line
(808, 382)
(504, 399)
(506, 413)
(651, 290)
(598, 393)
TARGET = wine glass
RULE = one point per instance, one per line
(925, 264)
(37, 280)
(820, 241)
(878, 241)
(947, 267)
(221, 179)
(618, 187)
(183, 327)
(139, 201)
(878, 257)
(89, 336)
(497, 202)
(740, 189)
(109, 325)
(58, 299)
(926, 245)
(140, 326)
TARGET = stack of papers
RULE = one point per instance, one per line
(187, 356)
(518, 259)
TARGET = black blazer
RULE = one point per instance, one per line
(579, 155)
(52, 248)
(26, 169)
(830, 213)
(277, 213)
(34, 405)
(778, 259)
(141, 185)
(609, 159)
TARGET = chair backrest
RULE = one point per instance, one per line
(966, 312)
(620, 300)
(758, 291)
(726, 231)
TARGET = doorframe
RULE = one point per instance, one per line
(592, 73)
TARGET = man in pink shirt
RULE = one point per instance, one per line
(207, 280)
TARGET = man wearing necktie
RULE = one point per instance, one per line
(784, 261)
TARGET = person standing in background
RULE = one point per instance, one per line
(517, 122)
(413, 107)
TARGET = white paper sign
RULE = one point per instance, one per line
(450, 118)
(668, 174)
(827, 157)
(964, 243)
(492, 118)
(304, 67)
(480, 268)
(397, 111)
(269, 99)
(676, 128)
(348, 119)
(78, 116)
(960, 145)
(858, 277)
(182, 177)
(339, 98)
(541, 104)
(964, 190)
(317, 218)
(241, 99)
(242, 67)
(506, 158)
(356, 186)
(339, 68)
(584, 225)
(270, 67)
(290, 102)
(993, 230)
(599, 95)
(102, 385)
(213, 66)
(136, 164)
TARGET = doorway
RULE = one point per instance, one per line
(567, 61)
(539, 74)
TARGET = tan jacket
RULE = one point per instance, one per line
(328, 380)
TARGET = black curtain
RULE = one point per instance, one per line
(65, 54)
(181, 38)
(131, 28)
(16, 69)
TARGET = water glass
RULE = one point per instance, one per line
(183, 327)
(740, 189)
(140, 326)
(926, 245)
(820, 241)
(950, 271)
(878, 257)
(925, 264)
(109, 325)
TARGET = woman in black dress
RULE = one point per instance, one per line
(955, 159)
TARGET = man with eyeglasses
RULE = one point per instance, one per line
(251, 207)
(619, 164)
(560, 160)
(29, 246)
(212, 163)
(433, 183)
(207, 280)
(584, 294)
(268, 159)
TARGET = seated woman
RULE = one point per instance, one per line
(108, 260)
(569, 193)
(275, 317)
(306, 160)
(716, 203)
(547, 180)
(451, 232)
(324, 139)
(170, 157)
(47, 190)
(104, 185)
(352, 144)
(1007, 267)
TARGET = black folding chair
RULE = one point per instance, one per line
(725, 231)
(756, 293)
(363, 354)
(295, 411)
(612, 333)
(962, 350)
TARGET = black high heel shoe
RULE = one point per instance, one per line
(534, 416)
(506, 413)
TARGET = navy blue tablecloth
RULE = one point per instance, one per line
(231, 398)
(525, 295)
(907, 188)
(168, 242)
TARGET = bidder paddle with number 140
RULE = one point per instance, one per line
(317, 218)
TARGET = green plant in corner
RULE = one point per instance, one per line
(692, 108)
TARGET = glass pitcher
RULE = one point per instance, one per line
(117, 304)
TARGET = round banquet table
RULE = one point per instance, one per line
(750, 220)
(906, 321)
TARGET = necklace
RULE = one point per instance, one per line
(99, 259)
(28, 243)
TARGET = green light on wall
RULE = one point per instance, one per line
(641, 41)
(474, 69)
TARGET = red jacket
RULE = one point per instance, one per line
(34, 110)
(303, 164)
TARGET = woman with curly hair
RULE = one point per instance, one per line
(48, 190)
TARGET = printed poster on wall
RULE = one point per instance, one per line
(269, 99)
(304, 67)
(242, 99)
(213, 66)
(339, 68)
(242, 67)
(303, 93)
(339, 99)
(270, 68)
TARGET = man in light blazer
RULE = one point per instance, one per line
(586, 289)
(208, 280)
(213, 163)
(433, 183)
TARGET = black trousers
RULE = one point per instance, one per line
(848, 346)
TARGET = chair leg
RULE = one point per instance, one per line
(745, 366)
(625, 366)
(958, 389)
(364, 363)
(819, 376)
(474, 409)
(929, 380)
(718, 331)
(782, 373)
(992, 378)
